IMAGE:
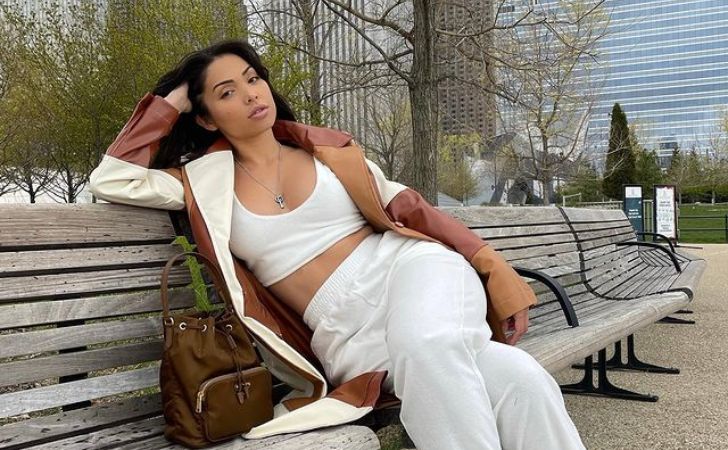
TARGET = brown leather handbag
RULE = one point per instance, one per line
(213, 385)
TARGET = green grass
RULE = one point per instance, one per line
(687, 220)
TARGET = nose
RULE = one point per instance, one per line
(251, 96)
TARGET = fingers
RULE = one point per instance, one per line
(520, 326)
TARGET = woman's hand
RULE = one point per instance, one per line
(178, 98)
(515, 326)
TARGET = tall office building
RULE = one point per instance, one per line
(465, 109)
(666, 64)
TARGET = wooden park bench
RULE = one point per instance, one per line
(80, 332)
(615, 284)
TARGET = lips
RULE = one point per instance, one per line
(257, 111)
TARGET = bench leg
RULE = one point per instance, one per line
(669, 319)
(604, 388)
(633, 363)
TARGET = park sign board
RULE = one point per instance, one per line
(633, 206)
(665, 213)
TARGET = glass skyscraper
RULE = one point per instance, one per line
(666, 63)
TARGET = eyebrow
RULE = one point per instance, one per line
(229, 81)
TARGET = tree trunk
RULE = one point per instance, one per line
(545, 170)
(423, 98)
(500, 187)
(71, 187)
(312, 62)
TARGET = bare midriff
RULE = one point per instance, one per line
(297, 289)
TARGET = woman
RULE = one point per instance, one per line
(334, 267)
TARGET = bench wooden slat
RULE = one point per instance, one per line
(531, 241)
(608, 281)
(624, 289)
(350, 437)
(22, 371)
(599, 258)
(529, 230)
(634, 270)
(43, 224)
(554, 318)
(54, 339)
(619, 264)
(547, 265)
(52, 396)
(112, 436)
(80, 259)
(660, 283)
(500, 217)
(593, 215)
(653, 259)
(87, 283)
(617, 231)
(607, 240)
(49, 312)
(540, 250)
(596, 226)
(41, 430)
(565, 261)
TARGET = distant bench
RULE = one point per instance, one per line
(80, 333)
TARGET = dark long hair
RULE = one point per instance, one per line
(187, 140)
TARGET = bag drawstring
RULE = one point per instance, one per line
(242, 387)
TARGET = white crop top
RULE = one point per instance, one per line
(274, 246)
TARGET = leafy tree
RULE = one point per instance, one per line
(620, 166)
(56, 64)
(678, 173)
(586, 182)
(647, 170)
(390, 134)
(83, 69)
(455, 166)
(547, 84)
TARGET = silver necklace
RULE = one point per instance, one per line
(277, 197)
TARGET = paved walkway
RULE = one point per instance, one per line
(692, 412)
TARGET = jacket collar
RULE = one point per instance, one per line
(300, 135)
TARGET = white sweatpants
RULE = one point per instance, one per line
(417, 309)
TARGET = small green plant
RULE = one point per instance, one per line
(202, 302)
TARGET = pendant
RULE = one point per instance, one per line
(279, 199)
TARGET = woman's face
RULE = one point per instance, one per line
(239, 102)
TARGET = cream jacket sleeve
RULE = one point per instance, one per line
(123, 175)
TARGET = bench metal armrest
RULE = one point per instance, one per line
(556, 288)
(657, 246)
(661, 236)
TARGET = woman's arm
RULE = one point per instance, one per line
(509, 296)
(123, 175)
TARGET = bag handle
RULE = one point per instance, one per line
(217, 279)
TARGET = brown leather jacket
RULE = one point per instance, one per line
(204, 187)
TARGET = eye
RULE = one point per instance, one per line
(225, 93)
(253, 79)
